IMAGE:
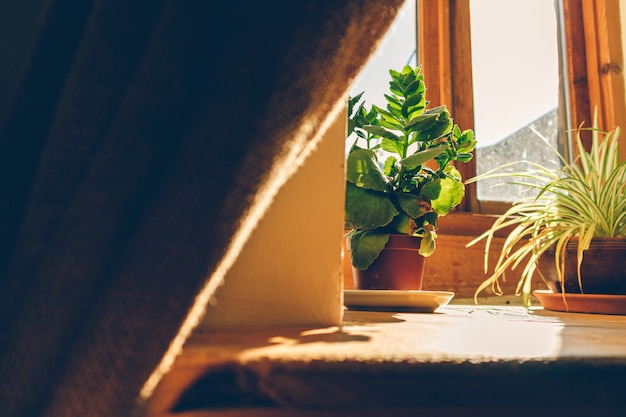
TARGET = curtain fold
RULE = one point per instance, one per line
(137, 141)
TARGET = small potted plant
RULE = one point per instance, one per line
(400, 178)
(571, 231)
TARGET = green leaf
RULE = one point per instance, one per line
(394, 108)
(430, 218)
(401, 224)
(396, 87)
(390, 168)
(410, 203)
(367, 209)
(419, 158)
(427, 245)
(352, 101)
(421, 122)
(464, 157)
(387, 118)
(465, 140)
(409, 74)
(393, 146)
(362, 170)
(431, 190)
(381, 132)
(351, 126)
(365, 246)
(439, 111)
(451, 192)
(393, 101)
(412, 100)
(390, 123)
(441, 128)
(413, 87)
(395, 74)
(456, 131)
(371, 115)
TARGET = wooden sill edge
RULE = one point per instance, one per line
(467, 224)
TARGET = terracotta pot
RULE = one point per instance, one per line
(398, 267)
(603, 270)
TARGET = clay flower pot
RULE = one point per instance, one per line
(602, 270)
(398, 267)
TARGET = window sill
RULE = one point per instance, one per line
(458, 361)
(466, 224)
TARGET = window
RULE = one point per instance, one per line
(590, 52)
(396, 50)
(504, 56)
(591, 74)
(512, 100)
(515, 75)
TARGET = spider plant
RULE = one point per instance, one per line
(576, 202)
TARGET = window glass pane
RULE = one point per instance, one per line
(516, 86)
(396, 50)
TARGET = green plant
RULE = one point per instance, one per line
(417, 183)
(581, 200)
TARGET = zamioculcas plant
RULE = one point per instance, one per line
(400, 174)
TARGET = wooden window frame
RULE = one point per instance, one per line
(593, 64)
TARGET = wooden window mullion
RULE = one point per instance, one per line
(446, 59)
(595, 64)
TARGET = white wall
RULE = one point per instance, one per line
(290, 270)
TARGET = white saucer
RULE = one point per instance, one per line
(396, 300)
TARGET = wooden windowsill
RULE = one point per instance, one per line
(458, 361)
(467, 224)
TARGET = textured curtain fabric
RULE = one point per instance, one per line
(138, 139)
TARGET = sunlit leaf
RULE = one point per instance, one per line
(427, 245)
(421, 157)
(381, 132)
(365, 246)
(413, 205)
(581, 200)
(362, 170)
(451, 193)
(368, 209)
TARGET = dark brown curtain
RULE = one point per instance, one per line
(138, 137)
